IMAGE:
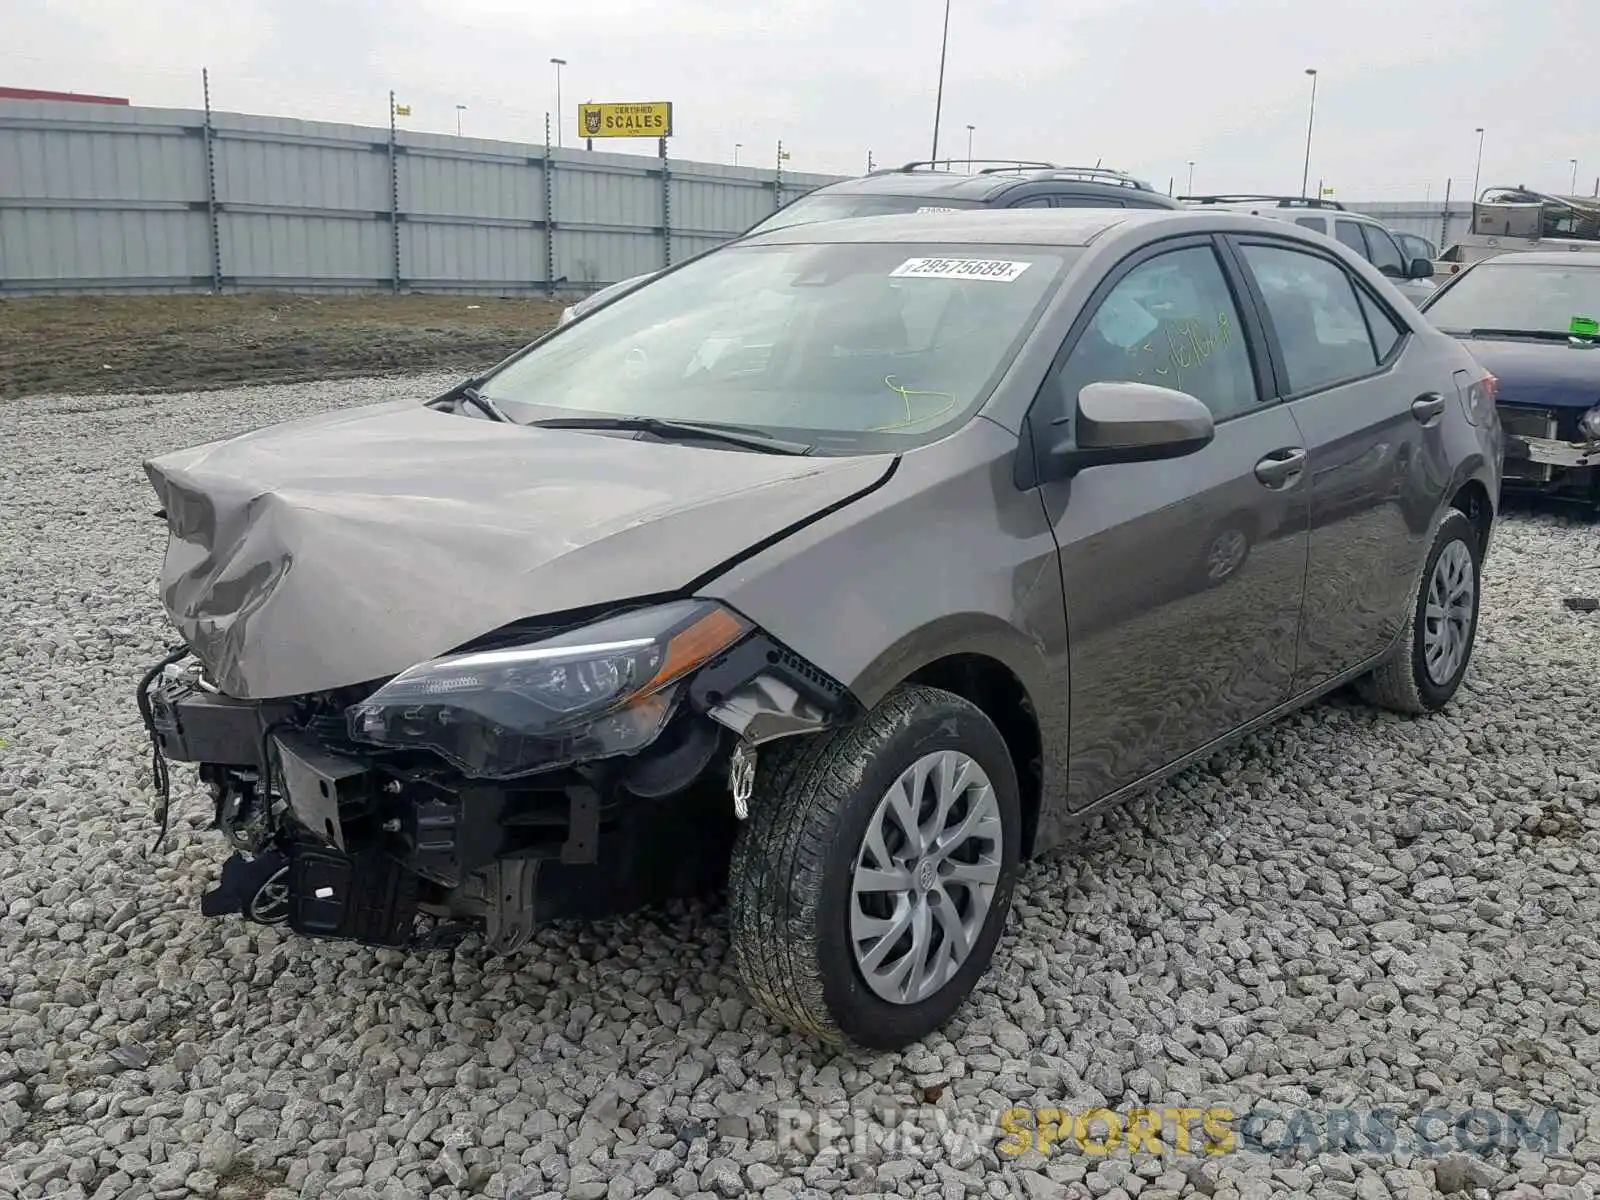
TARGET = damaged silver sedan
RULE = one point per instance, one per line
(847, 567)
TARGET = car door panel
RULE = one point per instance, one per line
(1167, 650)
(1376, 469)
(1164, 659)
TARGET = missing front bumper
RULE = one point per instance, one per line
(1552, 453)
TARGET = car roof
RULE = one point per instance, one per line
(1015, 226)
(980, 187)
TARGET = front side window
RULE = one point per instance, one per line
(1171, 321)
(849, 347)
(1315, 314)
(1385, 254)
(1508, 297)
(1349, 232)
(1413, 246)
(838, 206)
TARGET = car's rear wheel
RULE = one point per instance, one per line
(872, 880)
(1426, 669)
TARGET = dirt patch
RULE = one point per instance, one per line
(182, 343)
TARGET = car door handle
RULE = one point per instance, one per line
(1427, 407)
(1281, 467)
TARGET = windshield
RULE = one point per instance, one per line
(851, 348)
(1521, 297)
(837, 206)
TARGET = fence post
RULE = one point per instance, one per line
(777, 180)
(549, 167)
(666, 205)
(394, 204)
(211, 187)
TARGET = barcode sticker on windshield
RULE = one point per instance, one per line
(959, 268)
(934, 208)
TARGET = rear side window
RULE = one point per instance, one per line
(1033, 202)
(1077, 200)
(1385, 333)
(1349, 232)
(1315, 312)
(1316, 223)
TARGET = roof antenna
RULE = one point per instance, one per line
(1098, 161)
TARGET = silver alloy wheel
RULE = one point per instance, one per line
(925, 877)
(270, 904)
(1226, 553)
(1447, 618)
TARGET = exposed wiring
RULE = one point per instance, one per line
(161, 780)
(911, 419)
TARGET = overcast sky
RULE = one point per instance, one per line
(1147, 85)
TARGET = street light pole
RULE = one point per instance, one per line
(938, 99)
(460, 108)
(1311, 120)
(970, 128)
(561, 119)
(1574, 163)
(1191, 177)
(1477, 171)
(736, 146)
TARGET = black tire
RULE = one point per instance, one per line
(794, 859)
(1402, 682)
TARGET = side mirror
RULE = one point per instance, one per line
(1130, 422)
(1421, 268)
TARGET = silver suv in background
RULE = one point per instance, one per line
(1411, 274)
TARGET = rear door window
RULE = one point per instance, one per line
(1316, 223)
(1314, 311)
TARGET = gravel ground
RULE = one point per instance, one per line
(1350, 911)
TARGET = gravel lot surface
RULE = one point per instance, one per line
(1350, 911)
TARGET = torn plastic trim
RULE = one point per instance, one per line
(762, 691)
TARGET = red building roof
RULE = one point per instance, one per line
(11, 93)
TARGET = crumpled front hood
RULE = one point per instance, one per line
(343, 548)
(1541, 373)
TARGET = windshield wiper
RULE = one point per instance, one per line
(1543, 335)
(470, 393)
(483, 404)
(661, 427)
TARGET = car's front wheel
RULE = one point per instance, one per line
(1428, 665)
(872, 880)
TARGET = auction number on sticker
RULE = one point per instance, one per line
(993, 270)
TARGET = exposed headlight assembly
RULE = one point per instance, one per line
(602, 690)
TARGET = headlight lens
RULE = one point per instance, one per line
(1589, 424)
(602, 690)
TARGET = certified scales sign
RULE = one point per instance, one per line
(647, 119)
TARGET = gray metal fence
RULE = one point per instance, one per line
(100, 199)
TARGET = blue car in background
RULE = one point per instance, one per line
(1533, 321)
